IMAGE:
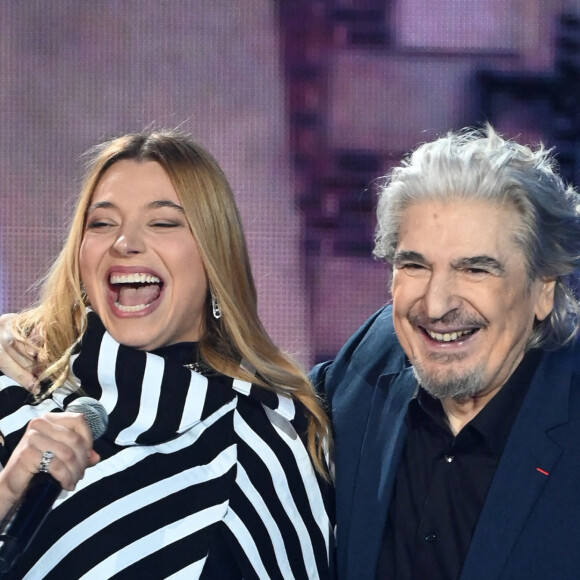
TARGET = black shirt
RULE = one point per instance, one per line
(442, 481)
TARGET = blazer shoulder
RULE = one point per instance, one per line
(371, 351)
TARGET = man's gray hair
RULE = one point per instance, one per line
(480, 165)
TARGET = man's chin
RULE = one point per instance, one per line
(449, 384)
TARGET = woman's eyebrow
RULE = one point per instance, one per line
(152, 205)
(165, 203)
(99, 205)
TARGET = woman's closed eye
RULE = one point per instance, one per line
(166, 224)
(99, 224)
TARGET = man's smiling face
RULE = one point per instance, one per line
(463, 304)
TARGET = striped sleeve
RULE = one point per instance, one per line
(277, 523)
(16, 412)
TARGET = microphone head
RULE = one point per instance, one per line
(93, 412)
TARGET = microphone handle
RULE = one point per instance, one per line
(17, 532)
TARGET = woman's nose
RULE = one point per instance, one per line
(129, 241)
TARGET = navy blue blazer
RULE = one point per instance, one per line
(529, 527)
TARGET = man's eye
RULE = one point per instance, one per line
(476, 271)
(475, 274)
(413, 269)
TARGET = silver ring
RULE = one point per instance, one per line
(45, 461)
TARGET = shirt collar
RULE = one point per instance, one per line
(495, 420)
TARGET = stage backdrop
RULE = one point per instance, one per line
(305, 103)
(75, 72)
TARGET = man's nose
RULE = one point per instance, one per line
(129, 241)
(441, 295)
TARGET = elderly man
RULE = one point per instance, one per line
(456, 409)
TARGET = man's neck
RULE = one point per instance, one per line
(459, 412)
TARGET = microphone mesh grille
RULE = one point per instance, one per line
(93, 412)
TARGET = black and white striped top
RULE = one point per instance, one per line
(200, 477)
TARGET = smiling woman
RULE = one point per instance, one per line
(135, 245)
(214, 460)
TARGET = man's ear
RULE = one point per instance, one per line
(545, 301)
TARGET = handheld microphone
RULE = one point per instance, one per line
(26, 517)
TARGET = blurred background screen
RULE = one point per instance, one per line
(305, 104)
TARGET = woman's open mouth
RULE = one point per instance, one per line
(134, 292)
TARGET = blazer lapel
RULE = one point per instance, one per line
(529, 454)
(380, 452)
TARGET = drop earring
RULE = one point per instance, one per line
(215, 307)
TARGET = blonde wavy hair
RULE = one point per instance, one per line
(57, 322)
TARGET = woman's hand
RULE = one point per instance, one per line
(67, 436)
(17, 360)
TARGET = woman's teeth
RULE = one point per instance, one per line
(135, 308)
(134, 279)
